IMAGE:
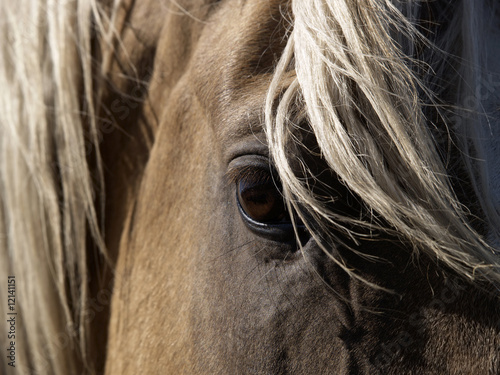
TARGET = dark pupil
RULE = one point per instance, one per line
(261, 201)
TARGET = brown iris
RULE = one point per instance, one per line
(260, 198)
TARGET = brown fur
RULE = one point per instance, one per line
(195, 292)
(135, 122)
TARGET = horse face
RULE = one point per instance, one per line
(205, 281)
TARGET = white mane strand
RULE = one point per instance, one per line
(361, 97)
(47, 194)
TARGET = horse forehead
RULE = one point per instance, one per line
(241, 40)
(233, 63)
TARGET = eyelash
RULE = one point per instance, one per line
(259, 175)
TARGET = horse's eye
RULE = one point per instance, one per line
(261, 203)
(261, 199)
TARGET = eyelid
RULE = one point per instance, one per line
(256, 174)
(255, 167)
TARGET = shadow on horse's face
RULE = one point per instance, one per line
(199, 286)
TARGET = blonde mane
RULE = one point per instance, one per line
(358, 90)
(362, 97)
(47, 201)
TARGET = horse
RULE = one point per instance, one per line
(250, 187)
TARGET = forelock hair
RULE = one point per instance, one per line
(364, 76)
